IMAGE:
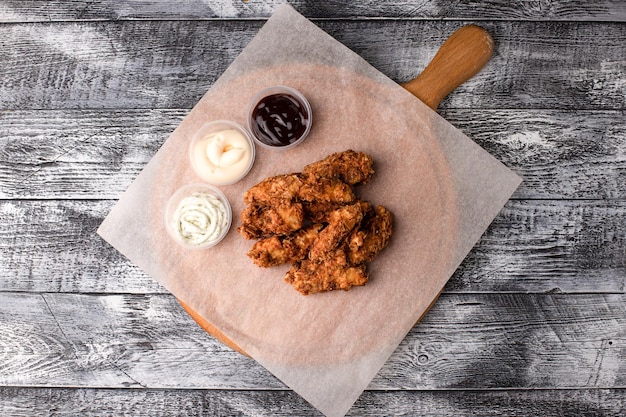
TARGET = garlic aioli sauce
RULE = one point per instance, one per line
(200, 219)
(222, 157)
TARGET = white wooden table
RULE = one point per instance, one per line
(532, 323)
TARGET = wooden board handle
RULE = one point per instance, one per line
(461, 56)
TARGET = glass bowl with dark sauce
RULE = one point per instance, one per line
(279, 117)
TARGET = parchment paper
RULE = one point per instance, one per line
(443, 189)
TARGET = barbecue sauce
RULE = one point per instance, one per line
(279, 119)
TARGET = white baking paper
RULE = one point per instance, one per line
(443, 189)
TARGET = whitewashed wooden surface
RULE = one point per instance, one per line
(532, 323)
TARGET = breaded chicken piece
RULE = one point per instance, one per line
(279, 187)
(325, 190)
(269, 251)
(349, 166)
(318, 211)
(332, 273)
(314, 221)
(371, 237)
(281, 218)
(340, 223)
(275, 250)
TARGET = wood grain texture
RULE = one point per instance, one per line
(458, 59)
(496, 340)
(25, 402)
(532, 323)
(559, 154)
(56, 10)
(97, 154)
(148, 64)
(532, 246)
(54, 154)
(556, 246)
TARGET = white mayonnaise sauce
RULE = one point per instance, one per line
(222, 157)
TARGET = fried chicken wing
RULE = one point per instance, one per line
(340, 222)
(279, 187)
(314, 221)
(349, 166)
(318, 211)
(282, 218)
(275, 250)
(309, 277)
(269, 251)
(372, 237)
(325, 190)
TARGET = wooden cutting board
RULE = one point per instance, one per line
(461, 56)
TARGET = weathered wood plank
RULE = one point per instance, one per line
(94, 153)
(468, 341)
(537, 246)
(514, 340)
(494, 344)
(34, 348)
(559, 154)
(83, 147)
(532, 246)
(26, 402)
(171, 64)
(97, 154)
(99, 64)
(59, 10)
(52, 246)
(86, 341)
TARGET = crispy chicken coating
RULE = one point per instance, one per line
(298, 187)
(371, 237)
(349, 166)
(325, 190)
(275, 250)
(314, 221)
(318, 211)
(269, 251)
(282, 218)
(279, 187)
(340, 223)
(331, 273)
